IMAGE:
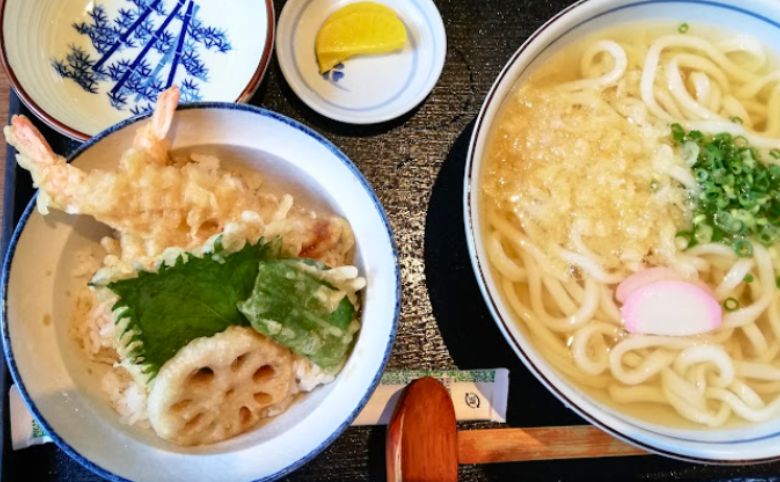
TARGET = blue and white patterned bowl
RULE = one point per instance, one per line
(82, 65)
(760, 18)
(62, 389)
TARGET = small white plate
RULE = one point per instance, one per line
(364, 89)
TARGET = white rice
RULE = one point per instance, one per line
(309, 376)
(127, 397)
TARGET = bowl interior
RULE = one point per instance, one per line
(64, 389)
(84, 66)
(760, 19)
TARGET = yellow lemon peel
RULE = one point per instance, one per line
(362, 28)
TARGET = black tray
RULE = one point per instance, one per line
(415, 164)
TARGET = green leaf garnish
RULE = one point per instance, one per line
(292, 303)
(160, 312)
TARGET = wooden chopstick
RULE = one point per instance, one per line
(542, 443)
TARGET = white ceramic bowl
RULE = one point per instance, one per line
(83, 66)
(51, 372)
(761, 18)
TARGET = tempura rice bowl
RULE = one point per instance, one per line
(63, 389)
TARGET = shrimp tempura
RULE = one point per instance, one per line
(68, 188)
(155, 204)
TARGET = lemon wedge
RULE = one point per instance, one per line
(360, 28)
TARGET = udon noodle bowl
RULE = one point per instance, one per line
(630, 206)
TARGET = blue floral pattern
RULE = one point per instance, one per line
(140, 52)
(334, 75)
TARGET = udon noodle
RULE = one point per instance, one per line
(583, 186)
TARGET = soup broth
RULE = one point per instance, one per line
(594, 173)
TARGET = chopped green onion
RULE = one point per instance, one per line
(762, 182)
(738, 195)
(690, 153)
(683, 28)
(736, 119)
(731, 304)
(769, 235)
(748, 278)
(654, 186)
(723, 137)
(743, 248)
(678, 133)
(777, 282)
(695, 135)
(703, 234)
(684, 239)
(718, 175)
(723, 220)
(721, 202)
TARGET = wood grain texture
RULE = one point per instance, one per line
(422, 444)
(542, 443)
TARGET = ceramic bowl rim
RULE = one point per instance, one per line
(70, 131)
(31, 205)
